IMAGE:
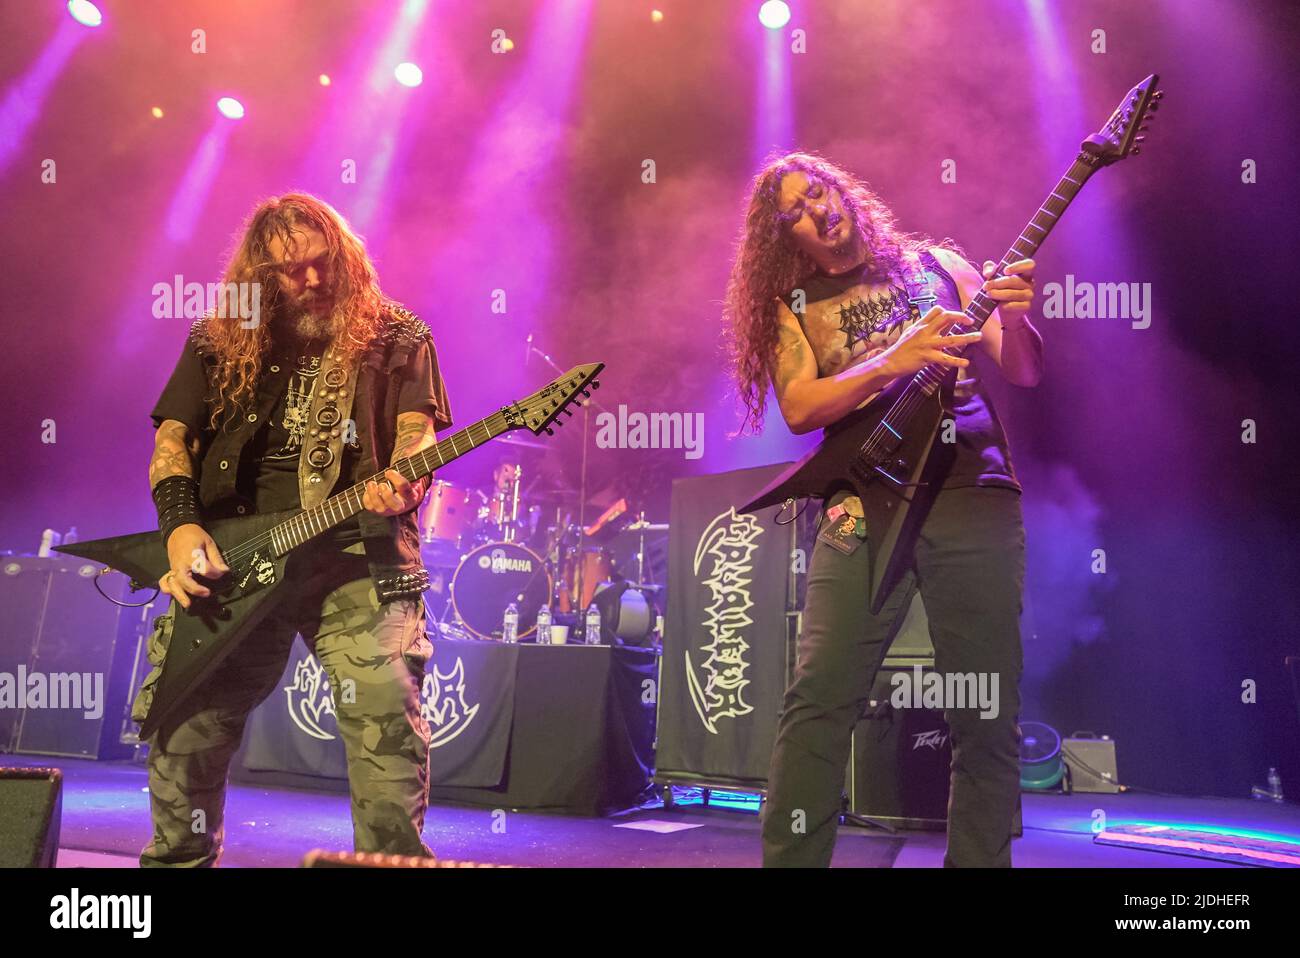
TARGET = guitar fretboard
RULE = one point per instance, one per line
(338, 508)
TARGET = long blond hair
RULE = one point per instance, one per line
(768, 265)
(357, 297)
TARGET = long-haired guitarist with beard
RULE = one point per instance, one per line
(327, 385)
(819, 309)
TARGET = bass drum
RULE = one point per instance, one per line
(490, 578)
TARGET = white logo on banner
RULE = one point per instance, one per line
(444, 706)
(726, 548)
(310, 697)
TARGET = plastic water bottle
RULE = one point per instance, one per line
(1275, 784)
(593, 625)
(70, 536)
(49, 539)
(510, 627)
(544, 624)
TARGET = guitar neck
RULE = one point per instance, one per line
(338, 508)
(1026, 245)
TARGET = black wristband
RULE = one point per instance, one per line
(177, 500)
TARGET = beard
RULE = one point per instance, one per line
(307, 325)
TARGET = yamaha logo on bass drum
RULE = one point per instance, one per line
(499, 562)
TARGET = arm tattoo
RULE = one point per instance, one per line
(175, 452)
(789, 357)
(414, 434)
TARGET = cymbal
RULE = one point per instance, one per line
(550, 493)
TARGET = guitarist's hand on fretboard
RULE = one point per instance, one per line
(393, 497)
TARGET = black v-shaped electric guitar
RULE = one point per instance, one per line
(256, 547)
(886, 451)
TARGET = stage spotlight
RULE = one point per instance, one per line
(230, 108)
(85, 13)
(774, 14)
(408, 74)
(656, 16)
(324, 79)
(157, 113)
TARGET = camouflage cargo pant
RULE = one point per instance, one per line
(374, 655)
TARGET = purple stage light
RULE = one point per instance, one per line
(774, 14)
(230, 108)
(408, 74)
(85, 13)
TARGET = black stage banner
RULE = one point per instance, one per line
(724, 648)
(560, 727)
(467, 697)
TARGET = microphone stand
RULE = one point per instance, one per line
(582, 478)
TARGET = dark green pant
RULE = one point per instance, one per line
(374, 655)
(969, 567)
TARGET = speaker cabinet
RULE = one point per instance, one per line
(1091, 764)
(31, 808)
(900, 764)
(61, 636)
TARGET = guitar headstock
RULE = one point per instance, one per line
(538, 411)
(1119, 138)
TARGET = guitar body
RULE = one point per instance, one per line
(896, 488)
(211, 628)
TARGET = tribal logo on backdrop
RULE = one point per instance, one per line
(310, 697)
(724, 565)
(443, 704)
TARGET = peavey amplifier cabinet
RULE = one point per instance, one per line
(900, 763)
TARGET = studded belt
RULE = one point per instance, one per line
(406, 585)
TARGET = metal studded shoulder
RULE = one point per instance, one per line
(404, 329)
(201, 337)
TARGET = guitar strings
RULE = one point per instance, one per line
(340, 502)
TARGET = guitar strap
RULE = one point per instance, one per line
(327, 422)
(919, 283)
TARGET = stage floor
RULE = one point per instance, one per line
(106, 822)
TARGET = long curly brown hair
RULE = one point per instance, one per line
(357, 297)
(768, 265)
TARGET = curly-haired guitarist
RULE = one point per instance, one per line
(820, 311)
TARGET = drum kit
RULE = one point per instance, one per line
(488, 549)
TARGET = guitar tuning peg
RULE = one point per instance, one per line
(1137, 150)
(550, 431)
(1139, 139)
(568, 411)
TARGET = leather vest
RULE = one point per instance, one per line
(392, 543)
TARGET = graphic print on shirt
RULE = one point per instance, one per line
(880, 314)
(297, 405)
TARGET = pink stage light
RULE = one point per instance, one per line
(408, 74)
(230, 108)
(85, 13)
(774, 14)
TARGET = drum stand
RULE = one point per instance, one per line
(582, 477)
